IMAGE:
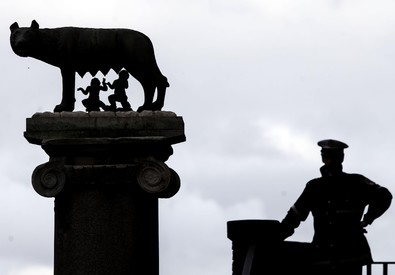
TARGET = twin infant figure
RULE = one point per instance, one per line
(93, 102)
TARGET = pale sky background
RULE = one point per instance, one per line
(257, 82)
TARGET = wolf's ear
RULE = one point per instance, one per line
(34, 25)
(14, 26)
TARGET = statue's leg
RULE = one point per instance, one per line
(126, 105)
(149, 90)
(68, 93)
(160, 100)
(162, 84)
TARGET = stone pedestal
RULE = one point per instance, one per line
(258, 249)
(106, 172)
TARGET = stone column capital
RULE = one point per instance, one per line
(106, 148)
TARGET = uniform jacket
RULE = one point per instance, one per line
(337, 201)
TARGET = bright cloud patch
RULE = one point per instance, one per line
(32, 270)
(288, 141)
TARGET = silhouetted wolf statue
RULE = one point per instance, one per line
(90, 50)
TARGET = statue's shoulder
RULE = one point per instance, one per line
(314, 183)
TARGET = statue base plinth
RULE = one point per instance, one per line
(106, 172)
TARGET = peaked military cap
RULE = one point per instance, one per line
(332, 144)
(333, 149)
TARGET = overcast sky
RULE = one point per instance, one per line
(257, 82)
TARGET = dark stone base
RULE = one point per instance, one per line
(106, 171)
(106, 230)
(258, 249)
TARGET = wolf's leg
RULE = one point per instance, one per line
(68, 93)
(149, 90)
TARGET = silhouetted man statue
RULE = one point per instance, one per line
(337, 201)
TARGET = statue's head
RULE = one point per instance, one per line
(24, 40)
(95, 82)
(123, 74)
(332, 151)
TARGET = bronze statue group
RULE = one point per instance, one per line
(93, 102)
(336, 200)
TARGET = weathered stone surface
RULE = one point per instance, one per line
(106, 172)
(156, 126)
(106, 230)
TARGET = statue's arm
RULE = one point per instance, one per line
(83, 90)
(104, 85)
(111, 85)
(297, 213)
(380, 201)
